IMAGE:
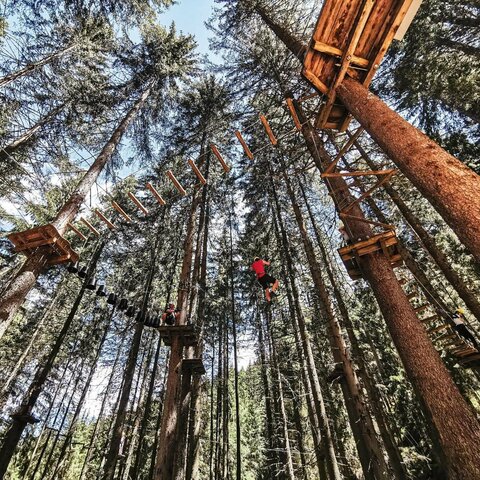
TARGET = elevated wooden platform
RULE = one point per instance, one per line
(351, 38)
(386, 242)
(194, 366)
(48, 238)
(187, 334)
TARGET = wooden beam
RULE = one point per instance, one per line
(359, 173)
(346, 60)
(121, 211)
(176, 183)
(137, 202)
(197, 172)
(336, 52)
(293, 112)
(310, 76)
(269, 131)
(104, 219)
(343, 151)
(215, 151)
(155, 193)
(247, 150)
(90, 226)
(77, 231)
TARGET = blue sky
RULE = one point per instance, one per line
(189, 17)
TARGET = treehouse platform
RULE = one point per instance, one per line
(386, 242)
(47, 237)
(186, 333)
(193, 366)
(351, 38)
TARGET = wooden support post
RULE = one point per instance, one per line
(268, 130)
(244, 145)
(138, 203)
(77, 231)
(176, 183)
(293, 112)
(90, 226)
(215, 151)
(121, 211)
(155, 193)
(104, 219)
(197, 172)
(344, 150)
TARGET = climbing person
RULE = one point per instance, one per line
(458, 319)
(344, 233)
(269, 283)
(170, 315)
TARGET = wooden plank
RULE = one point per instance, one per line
(36, 244)
(437, 329)
(242, 141)
(104, 219)
(354, 38)
(137, 202)
(328, 49)
(311, 77)
(407, 20)
(176, 183)
(216, 152)
(197, 172)
(365, 220)
(342, 152)
(429, 319)
(90, 226)
(122, 212)
(268, 129)
(294, 115)
(77, 231)
(359, 173)
(155, 193)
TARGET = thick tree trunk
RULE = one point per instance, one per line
(19, 423)
(428, 242)
(369, 449)
(451, 187)
(303, 339)
(36, 264)
(164, 467)
(7, 79)
(394, 455)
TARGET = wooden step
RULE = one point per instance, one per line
(193, 365)
(186, 333)
(438, 329)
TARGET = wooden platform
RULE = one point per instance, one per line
(48, 237)
(193, 365)
(351, 38)
(187, 334)
(386, 242)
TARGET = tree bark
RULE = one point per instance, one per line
(428, 242)
(165, 461)
(7, 79)
(19, 423)
(36, 264)
(451, 187)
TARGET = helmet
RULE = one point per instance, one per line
(461, 311)
(256, 258)
(171, 305)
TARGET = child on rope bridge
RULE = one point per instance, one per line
(170, 315)
(269, 283)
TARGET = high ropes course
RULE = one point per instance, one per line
(348, 44)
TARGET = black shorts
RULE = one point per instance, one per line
(266, 281)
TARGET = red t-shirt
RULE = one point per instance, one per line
(259, 268)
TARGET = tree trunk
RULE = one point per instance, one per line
(451, 187)
(394, 455)
(166, 452)
(7, 79)
(428, 242)
(300, 330)
(19, 423)
(36, 264)
(369, 449)
(274, 359)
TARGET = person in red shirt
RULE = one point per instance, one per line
(268, 283)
